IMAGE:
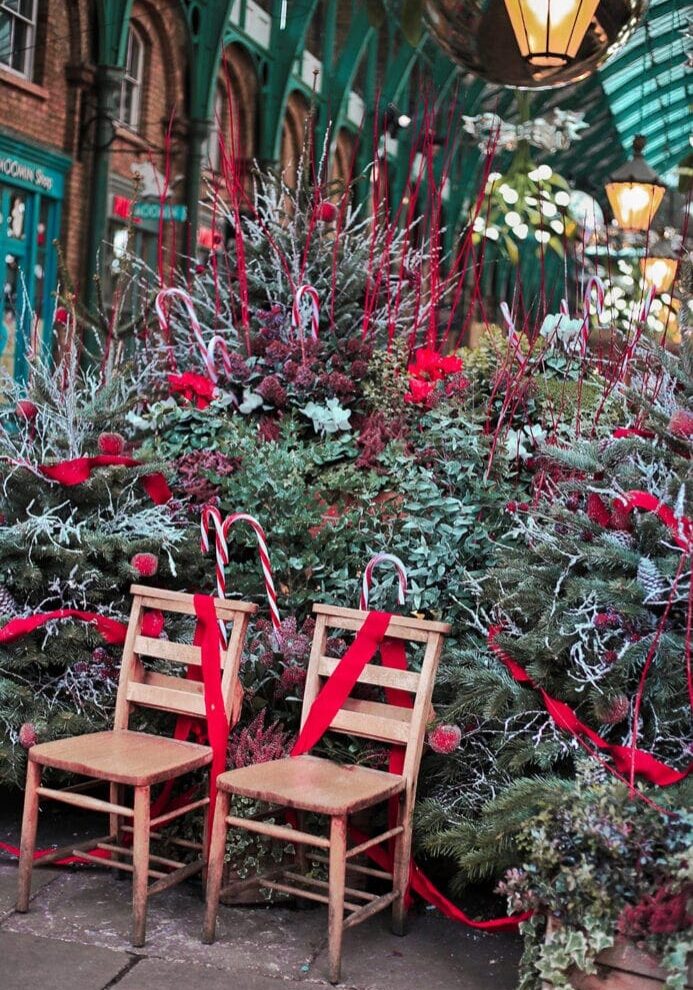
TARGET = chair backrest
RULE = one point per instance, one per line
(379, 720)
(140, 687)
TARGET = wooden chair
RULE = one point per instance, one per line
(137, 760)
(312, 784)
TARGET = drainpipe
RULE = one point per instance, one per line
(108, 81)
(197, 133)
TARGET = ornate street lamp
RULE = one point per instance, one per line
(550, 32)
(659, 268)
(635, 191)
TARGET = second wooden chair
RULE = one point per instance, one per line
(312, 784)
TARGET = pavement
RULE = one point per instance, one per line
(76, 937)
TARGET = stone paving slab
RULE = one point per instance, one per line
(30, 961)
(87, 913)
(8, 885)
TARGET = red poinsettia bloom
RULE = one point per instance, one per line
(420, 391)
(194, 388)
(432, 366)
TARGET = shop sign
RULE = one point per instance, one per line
(143, 210)
(13, 168)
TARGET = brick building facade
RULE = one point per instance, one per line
(75, 129)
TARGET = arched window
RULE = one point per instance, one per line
(18, 35)
(131, 87)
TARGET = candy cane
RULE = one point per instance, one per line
(210, 513)
(264, 561)
(207, 351)
(564, 308)
(594, 282)
(296, 317)
(646, 305)
(513, 336)
(381, 558)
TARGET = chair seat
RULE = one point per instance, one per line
(122, 756)
(310, 783)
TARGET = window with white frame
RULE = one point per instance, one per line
(131, 87)
(18, 35)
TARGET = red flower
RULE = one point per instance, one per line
(194, 388)
(445, 739)
(146, 564)
(420, 392)
(431, 366)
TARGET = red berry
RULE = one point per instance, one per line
(445, 739)
(28, 735)
(326, 211)
(111, 443)
(681, 423)
(146, 564)
(26, 410)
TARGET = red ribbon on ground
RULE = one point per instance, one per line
(625, 757)
(79, 469)
(335, 691)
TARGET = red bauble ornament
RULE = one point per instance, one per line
(326, 211)
(146, 564)
(615, 710)
(111, 443)
(445, 739)
(61, 316)
(153, 624)
(26, 410)
(681, 423)
(28, 736)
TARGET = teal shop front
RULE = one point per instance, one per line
(32, 185)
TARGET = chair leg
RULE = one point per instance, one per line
(140, 863)
(215, 865)
(115, 822)
(401, 865)
(338, 833)
(28, 839)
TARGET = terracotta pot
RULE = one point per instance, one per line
(622, 967)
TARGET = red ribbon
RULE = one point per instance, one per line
(335, 691)
(626, 758)
(112, 630)
(208, 638)
(681, 528)
(79, 469)
(338, 687)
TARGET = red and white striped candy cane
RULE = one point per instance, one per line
(211, 514)
(646, 304)
(382, 558)
(513, 335)
(207, 351)
(596, 284)
(264, 560)
(297, 317)
(564, 308)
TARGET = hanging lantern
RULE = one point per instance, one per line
(532, 44)
(635, 191)
(659, 268)
(549, 32)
